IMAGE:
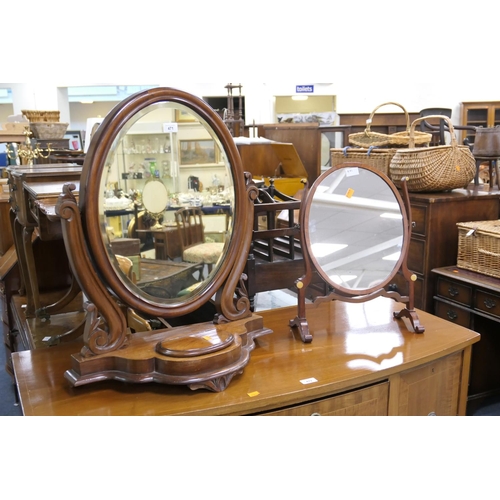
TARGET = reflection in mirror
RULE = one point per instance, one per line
(167, 202)
(355, 229)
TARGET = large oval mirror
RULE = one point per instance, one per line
(162, 187)
(355, 229)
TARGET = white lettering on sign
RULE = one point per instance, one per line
(304, 89)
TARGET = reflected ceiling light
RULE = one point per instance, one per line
(345, 278)
(392, 256)
(324, 249)
(391, 216)
(87, 102)
(300, 97)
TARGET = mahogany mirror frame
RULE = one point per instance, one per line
(338, 292)
(90, 185)
(119, 341)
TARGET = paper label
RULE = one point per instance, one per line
(350, 193)
(307, 381)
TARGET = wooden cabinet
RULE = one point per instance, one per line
(434, 241)
(472, 300)
(479, 114)
(432, 389)
(306, 139)
(6, 238)
(361, 362)
(369, 402)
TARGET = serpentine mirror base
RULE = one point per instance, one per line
(203, 356)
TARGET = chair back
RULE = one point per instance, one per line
(190, 226)
(437, 129)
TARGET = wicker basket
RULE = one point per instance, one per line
(399, 139)
(41, 116)
(479, 247)
(379, 159)
(46, 130)
(433, 169)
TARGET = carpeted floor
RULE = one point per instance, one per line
(8, 401)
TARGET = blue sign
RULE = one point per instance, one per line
(304, 89)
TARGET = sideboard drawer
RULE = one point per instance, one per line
(370, 401)
(487, 302)
(416, 256)
(453, 290)
(451, 313)
(419, 219)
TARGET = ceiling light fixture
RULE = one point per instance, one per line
(300, 97)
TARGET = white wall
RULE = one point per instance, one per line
(421, 55)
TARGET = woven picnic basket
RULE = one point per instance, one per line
(377, 158)
(398, 139)
(436, 168)
(479, 247)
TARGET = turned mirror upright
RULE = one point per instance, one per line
(355, 234)
(140, 249)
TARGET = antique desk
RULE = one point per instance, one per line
(361, 362)
(434, 241)
(34, 192)
(472, 300)
(41, 198)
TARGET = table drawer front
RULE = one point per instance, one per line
(452, 290)
(488, 303)
(370, 401)
(451, 313)
(419, 219)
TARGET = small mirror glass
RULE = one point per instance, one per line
(355, 230)
(166, 204)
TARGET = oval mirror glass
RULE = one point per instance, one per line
(355, 229)
(166, 204)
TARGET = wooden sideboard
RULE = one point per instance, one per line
(434, 241)
(361, 362)
(472, 300)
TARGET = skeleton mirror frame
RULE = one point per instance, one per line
(355, 235)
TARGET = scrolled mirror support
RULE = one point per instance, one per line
(112, 348)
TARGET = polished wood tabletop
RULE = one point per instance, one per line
(353, 345)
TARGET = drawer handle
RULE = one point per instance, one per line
(432, 414)
(315, 414)
(452, 315)
(453, 291)
(490, 304)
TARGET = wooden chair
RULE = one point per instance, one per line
(437, 129)
(192, 236)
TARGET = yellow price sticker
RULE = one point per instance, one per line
(253, 394)
(458, 168)
(350, 193)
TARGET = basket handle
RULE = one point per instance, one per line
(411, 143)
(488, 252)
(369, 120)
